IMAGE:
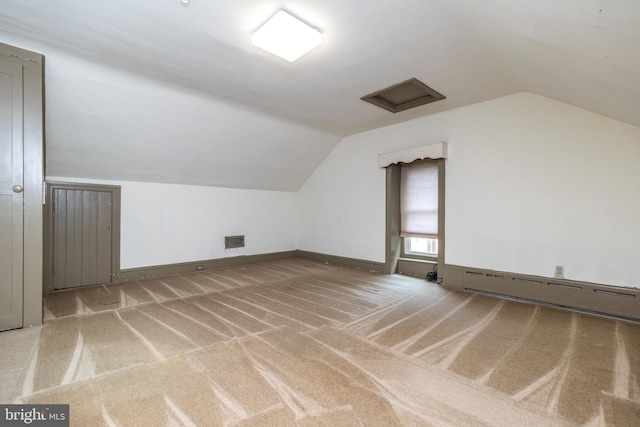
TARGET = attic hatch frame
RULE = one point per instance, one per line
(403, 96)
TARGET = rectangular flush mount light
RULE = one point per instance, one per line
(286, 36)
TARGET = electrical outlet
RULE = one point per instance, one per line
(559, 273)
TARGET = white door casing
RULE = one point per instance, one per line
(21, 187)
(11, 195)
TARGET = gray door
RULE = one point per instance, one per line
(11, 195)
(82, 237)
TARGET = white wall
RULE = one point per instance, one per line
(531, 183)
(168, 223)
(108, 123)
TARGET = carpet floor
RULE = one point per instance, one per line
(295, 342)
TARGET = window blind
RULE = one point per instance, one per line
(419, 199)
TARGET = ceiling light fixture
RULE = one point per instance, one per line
(286, 36)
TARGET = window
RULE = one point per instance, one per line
(419, 208)
(408, 249)
(420, 247)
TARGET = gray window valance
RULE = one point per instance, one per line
(433, 151)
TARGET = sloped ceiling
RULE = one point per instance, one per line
(167, 92)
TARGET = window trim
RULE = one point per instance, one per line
(408, 255)
(394, 243)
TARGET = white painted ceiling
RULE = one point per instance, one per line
(268, 123)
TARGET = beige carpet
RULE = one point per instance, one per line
(294, 342)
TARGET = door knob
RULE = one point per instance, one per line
(17, 188)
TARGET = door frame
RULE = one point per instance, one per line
(48, 226)
(33, 139)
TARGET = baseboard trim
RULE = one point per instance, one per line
(155, 271)
(617, 301)
(359, 264)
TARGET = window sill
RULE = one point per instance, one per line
(433, 260)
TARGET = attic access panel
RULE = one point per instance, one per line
(403, 96)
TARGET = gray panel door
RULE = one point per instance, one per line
(11, 196)
(82, 228)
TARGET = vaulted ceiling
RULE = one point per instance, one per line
(262, 122)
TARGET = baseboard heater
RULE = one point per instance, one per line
(606, 300)
(565, 307)
(613, 293)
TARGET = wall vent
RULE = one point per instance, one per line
(473, 273)
(231, 242)
(403, 96)
(617, 294)
(531, 281)
(558, 285)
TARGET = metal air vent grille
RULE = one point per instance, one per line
(231, 242)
